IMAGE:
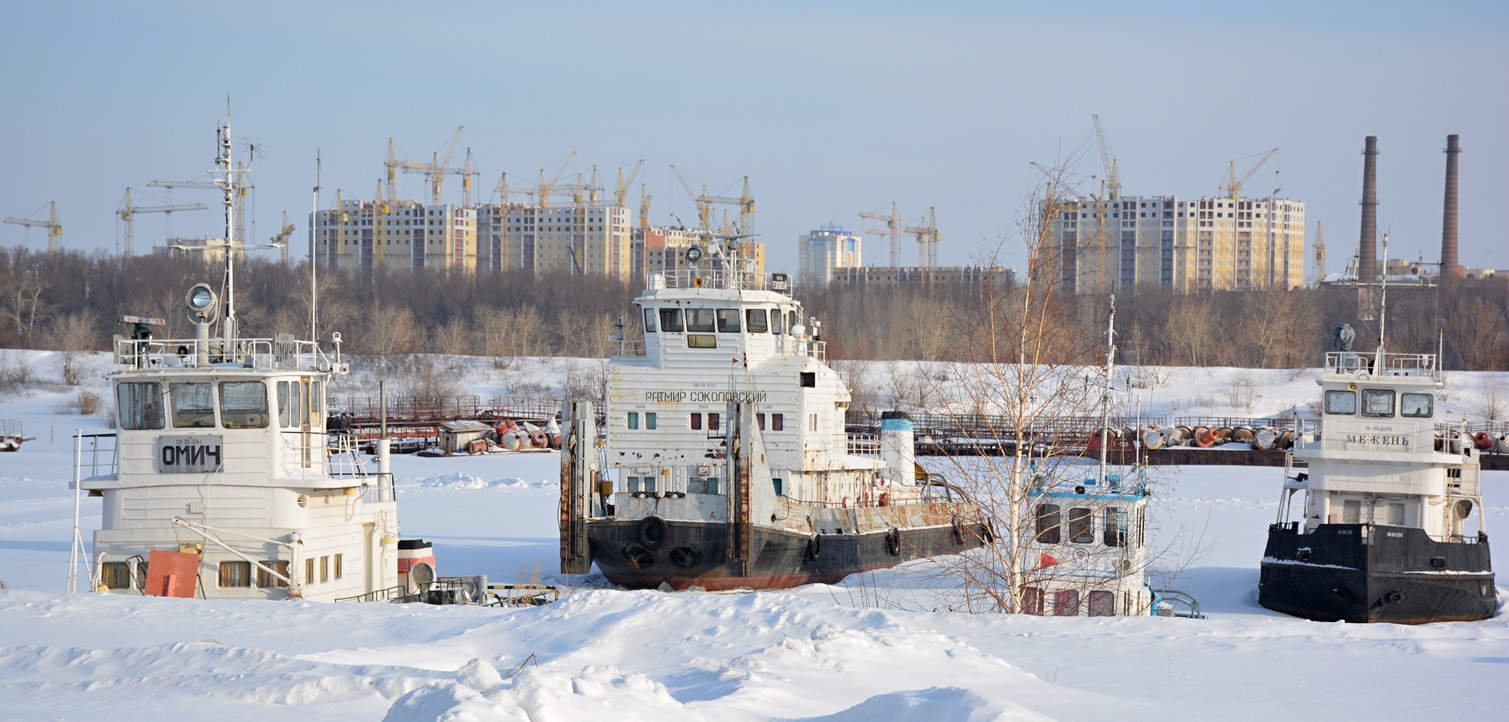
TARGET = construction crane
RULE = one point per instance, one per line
(543, 191)
(1234, 186)
(1056, 179)
(704, 211)
(892, 229)
(621, 192)
(745, 204)
(644, 208)
(927, 240)
(242, 191)
(1113, 182)
(435, 170)
(280, 241)
(1320, 254)
(54, 231)
(128, 211)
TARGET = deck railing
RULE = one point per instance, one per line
(284, 352)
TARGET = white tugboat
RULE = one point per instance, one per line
(726, 463)
(1391, 525)
(220, 482)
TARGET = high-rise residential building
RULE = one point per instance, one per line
(1187, 246)
(365, 235)
(580, 239)
(997, 276)
(824, 251)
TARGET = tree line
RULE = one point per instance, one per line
(70, 301)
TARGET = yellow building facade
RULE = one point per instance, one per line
(1187, 246)
(365, 235)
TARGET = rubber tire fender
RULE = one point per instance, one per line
(653, 532)
(814, 547)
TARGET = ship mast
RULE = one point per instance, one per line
(1105, 399)
(227, 183)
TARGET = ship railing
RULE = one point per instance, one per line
(379, 595)
(818, 350)
(284, 352)
(629, 348)
(715, 277)
(1394, 364)
(862, 444)
(98, 455)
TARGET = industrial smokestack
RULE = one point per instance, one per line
(1367, 250)
(1451, 270)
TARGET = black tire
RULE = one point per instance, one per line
(893, 542)
(653, 532)
(814, 547)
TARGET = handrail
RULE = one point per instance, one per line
(286, 353)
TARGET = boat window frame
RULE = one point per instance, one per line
(757, 320)
(701, 320)
(1100, 603)
(136, 412)
(179, 413)
(1080, 525)
(728, 320)
(253, 418)
(777, 322)
(1048, 518)
(670, 320)
(649, 320)
(233, 574)
(1333, 395)
(701, 340)
(650, 420)
(1060, 609)
(1425, 412)
(1368, 395)
(1115, 533)
(631, 420)
(1032, 601)
(777, 422)
(695, 421)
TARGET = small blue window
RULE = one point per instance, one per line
(633, 419)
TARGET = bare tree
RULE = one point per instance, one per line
(74, 335)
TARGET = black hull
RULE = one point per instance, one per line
(1366, 573)
(695, 554)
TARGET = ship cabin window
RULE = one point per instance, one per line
(1341, 402)
(649, 420)
(1102, 604)
(728, 320)
(243, 405)
(116, 575)
(140, 405)
(339, 566)
(1066, 603)
(700, 320)
(1081, 525)
(1378, 403)
(1032, 601)
(712, 422)
(309, 570)
(777, 326)
(1351, 511)
(264, 579)
(754, 318)
(760, 421)
(235, 574)
(1396, 514)
(779, 491)
(701, 340)
(633, 420)
(324, 569)
(1116, 527)
(777, 422)
(670, 320)
(696, 422)
(193, 405)
(791, 323)
(649, 320)
(1047, 524)
(1416, 406)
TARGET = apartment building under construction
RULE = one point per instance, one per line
(661, 251)
(1187, 246)
(367, 235)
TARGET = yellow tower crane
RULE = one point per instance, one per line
(1113, 181)
(544, 191)
(892, 229)
(927, 241)
(280, 241)
(54, 231)
(621, 191)
(128, 211)
(1234, 186)
(644, 208)
(435, 170)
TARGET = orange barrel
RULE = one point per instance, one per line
(1152, 438)
(1204, 438)
(1241, 433)
(1286, 440)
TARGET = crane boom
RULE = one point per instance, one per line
(54, 230)
(1113, 184)
(1235, 186)
(893, 229)
(128, 211)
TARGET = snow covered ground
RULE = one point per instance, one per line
(870, 648)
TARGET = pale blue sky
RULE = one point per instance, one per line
(829, 108)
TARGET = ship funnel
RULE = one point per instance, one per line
(897, 447)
